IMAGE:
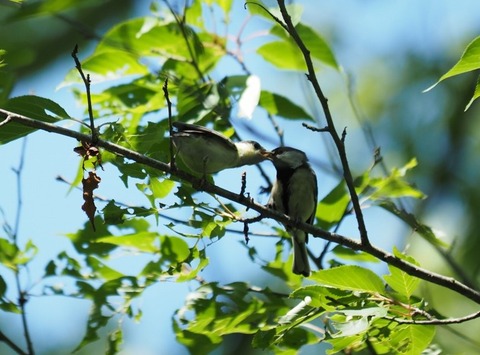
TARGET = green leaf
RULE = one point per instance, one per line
(8, 254)
(399, 280)
(143, 241)
(104, 66)
(3, 287)
(161, 188)
(353, 255)
(283, 55)
(350, 277)
(342, 343)
(350, 322)
(143, 37)
(321, 296)
(412, 338)
(394, 185)
(102, 270)
(42, 8)
(113, 214)
(332, 207)
(279, 105)
(115, 339)
(294, 10)
(469, 61)
(35, 107)
(318, 47)
(476, 94)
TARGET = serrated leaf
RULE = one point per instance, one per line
(279, 105)
(322, 297)
(350, 277)
(399, 280)
(412, 339)
(105, 66)
(35, 107)
(342, 343)
(391, 186)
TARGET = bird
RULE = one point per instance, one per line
(204, 151)
(294, 193)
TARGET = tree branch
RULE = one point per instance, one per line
(390, 259)
(437, 321)
(22, 295)
(339, 141)
(11, 344)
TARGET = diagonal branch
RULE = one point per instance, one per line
(388, 258)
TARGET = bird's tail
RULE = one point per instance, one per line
(301, 265)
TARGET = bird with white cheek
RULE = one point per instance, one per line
(294, 193)
(204, 151)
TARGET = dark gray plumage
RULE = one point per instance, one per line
(295, 194)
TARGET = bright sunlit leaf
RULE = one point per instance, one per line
(399, 280)
(469, 61)
(349, 277)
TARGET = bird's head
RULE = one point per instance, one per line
(250, 152)
(286, 157)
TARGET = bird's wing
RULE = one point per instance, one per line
(188, 128)
(312, 217)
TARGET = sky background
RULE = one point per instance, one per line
(361, 32)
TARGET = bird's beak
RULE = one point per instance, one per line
(267, 154)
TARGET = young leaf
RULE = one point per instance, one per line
(399, 280)
(279, 105)
(350, 277)
(392, 186)
(476, 94)
(412, 339)
(351, 322)
(467, 62)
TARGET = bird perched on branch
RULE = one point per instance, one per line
(295, 194)
(204, 151)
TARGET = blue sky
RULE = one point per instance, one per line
(365, 31)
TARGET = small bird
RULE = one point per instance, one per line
(204, 151)
(294, 193)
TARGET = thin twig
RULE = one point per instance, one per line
(22, 297)
(347, 174)
(436, 321)
(170, 127)
(181, 25)
(11, 344)
(86, 81)
(388, 258)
